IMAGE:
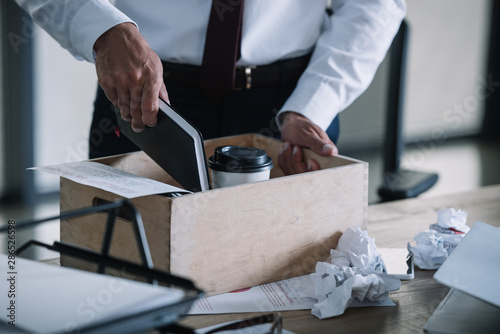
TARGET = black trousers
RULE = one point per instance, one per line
(243, 111)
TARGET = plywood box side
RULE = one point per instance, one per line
(235, 237)
(270, 230)
(88, 231)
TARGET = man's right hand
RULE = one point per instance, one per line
(131, 74)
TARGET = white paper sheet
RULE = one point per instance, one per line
(110, 179)
(286, 295)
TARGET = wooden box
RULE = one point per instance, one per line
(234, 237)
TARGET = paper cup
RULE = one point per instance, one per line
(232, 165)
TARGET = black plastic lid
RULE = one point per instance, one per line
(240, 159)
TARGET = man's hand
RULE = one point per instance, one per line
(130, 74)
(297, 132)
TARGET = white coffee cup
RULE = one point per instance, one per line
(232, 165)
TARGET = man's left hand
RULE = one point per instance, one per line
(298, 132)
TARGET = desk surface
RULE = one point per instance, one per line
(392, 224)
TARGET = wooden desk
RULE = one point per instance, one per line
(392, 224)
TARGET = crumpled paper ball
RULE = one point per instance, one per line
(357, 272)
(436, 244)
(357, 249)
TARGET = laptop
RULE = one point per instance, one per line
(472, 272)
(46, 298)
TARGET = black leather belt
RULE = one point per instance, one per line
(283, 71)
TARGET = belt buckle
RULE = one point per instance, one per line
(247, 71)
(248, 76)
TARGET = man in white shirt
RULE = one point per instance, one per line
(347, 48)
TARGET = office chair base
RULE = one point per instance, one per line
(403, 184)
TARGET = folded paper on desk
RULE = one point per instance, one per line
(111, 179)
(53, 299)
(399, 262)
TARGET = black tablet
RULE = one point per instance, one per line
(175, 145)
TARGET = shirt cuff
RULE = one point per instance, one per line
(91, 21)
(315, 100)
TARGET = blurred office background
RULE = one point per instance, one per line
(451, 107)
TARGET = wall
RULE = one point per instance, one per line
(446, 66)
(64, 95)
(445, 75)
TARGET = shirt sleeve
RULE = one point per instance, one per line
(347, 54)
(75, 24)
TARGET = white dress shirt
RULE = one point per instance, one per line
(348, 46)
